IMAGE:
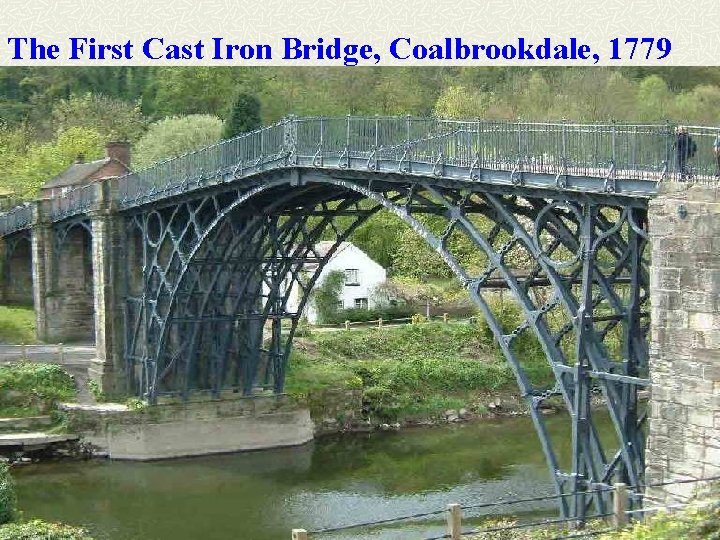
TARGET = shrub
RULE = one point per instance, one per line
(8, 499)
(29, 388)
(386, 313)
(41, 530)
(326, 297)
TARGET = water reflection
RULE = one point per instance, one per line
(335, 481)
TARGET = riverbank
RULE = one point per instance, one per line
(416, 374)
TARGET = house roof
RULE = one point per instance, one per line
(76, 173)
(322, 248)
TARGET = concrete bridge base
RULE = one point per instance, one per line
(172, 430)
(684, 434)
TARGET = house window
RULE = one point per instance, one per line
(351, 276)
(361, 303)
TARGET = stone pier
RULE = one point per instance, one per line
(684, 432)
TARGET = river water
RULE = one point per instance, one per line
(332, 482)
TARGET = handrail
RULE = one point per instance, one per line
(620, 151)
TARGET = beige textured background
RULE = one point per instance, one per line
(693, 27)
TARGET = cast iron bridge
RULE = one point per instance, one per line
(195, 258)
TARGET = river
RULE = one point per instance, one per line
(334, 481)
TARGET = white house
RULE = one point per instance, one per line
(362, 276)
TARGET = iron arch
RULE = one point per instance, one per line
(283, 244)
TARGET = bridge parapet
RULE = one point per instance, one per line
(75, 201)
(16, 219)
(626, 159)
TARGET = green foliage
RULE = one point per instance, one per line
(174, 136)
(41, 530)
(193, 90)
(406, 371)
(244, 116)
(326, 297)
(33, 387)
(17, 325)
(113, 119)
(8, 498)
(694, 523)
(413, 257)
(95, 390)
(28, 168)
(379, 237)
(31, 93)
(384, 312)
(137, 405)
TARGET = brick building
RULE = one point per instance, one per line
(115, 163)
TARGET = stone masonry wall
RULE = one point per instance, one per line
(684, 432)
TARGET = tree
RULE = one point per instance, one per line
(114, 119)
(326, 296)
(176, 135)
(28, 171)
(244, 116)
(193, 90)
(653, 99)
(459, 102)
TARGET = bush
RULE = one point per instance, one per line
(8, 499)
(27, 388)
(326, 297)
(41, 530)
(386, 313)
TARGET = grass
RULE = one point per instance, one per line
(410, 372)
(17, 325)
(29, 388)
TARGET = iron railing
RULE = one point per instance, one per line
(17, 219)
(644, 152)
(623, 151)
(73, 202)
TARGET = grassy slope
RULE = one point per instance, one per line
(410, 371)
(17, 325)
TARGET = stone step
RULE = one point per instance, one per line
(24, 423)
(32, 441)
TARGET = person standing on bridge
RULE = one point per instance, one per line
(685, 148)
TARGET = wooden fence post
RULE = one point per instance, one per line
(299, 534)
(347, 325)
(61, 352)
(619, 504)
(24, 351)
(445, 317)
(454, 521)
(380, 322)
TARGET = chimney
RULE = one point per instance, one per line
(119, 151)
